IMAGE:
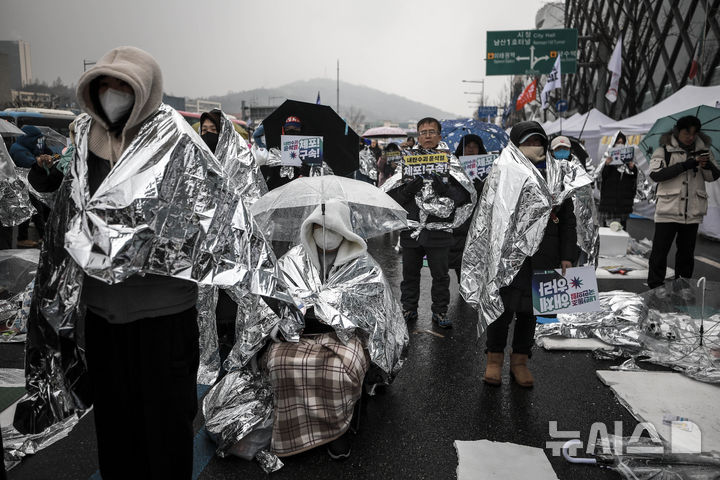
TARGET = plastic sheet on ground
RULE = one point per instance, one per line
(487, 460)
(661, 326)
(650, 396)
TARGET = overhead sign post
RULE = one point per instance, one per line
(531, 52)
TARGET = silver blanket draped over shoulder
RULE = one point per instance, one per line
(509, 225)
(15, 206)
(238, 163)
(431, 204)
(165, 208)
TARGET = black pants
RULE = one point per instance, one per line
(437, 258)
(143, 378)
(665, 233)
(523, 337)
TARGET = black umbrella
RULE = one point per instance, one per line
(340, 142)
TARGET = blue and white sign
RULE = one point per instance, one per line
(561, 106)
(484, 112)
(477, 166)
(296, 150)
(554, 293)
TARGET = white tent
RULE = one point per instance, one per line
(686, 97)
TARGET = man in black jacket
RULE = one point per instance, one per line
(433, 244)
(557, 249)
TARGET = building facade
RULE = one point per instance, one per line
(660, 40)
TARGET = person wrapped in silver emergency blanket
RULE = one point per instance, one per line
(525, 222)
(353, 333)
(15, 206)
(142, 217)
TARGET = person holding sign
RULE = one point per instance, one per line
(436, 203)
(680, 166)
(470, 144)
(273, 179)
(619, 183)
(557, 250)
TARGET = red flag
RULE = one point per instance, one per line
(695, 66)
(527, 96)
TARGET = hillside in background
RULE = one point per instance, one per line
(373, 104)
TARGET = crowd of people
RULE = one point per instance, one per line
(141, 338)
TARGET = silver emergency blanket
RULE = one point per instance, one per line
(15, 206)
(165, 208)
(356, 299)
(239, 403)
(430, 203)
(17, 445)
(239, 163)
(17, 278)
(368, 164)
(509, 225)
(661, 326)
(567, 177)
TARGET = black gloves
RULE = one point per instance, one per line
(690, 163)
(440, 187)
(414, 187)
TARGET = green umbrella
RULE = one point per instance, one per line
(709, 119)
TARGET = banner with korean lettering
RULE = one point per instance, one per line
(423, 165)
(528, 95)
(477, 166)
(298, 149)
(622, 155)
(576, 292)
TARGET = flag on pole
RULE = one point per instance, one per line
(317, 102)
(695, 66)
(554, 81)
(615, 66)
(527, 96)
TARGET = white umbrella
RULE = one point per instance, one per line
(8, 129)
(383, 132)
(281, 212)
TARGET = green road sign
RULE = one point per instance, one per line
(531, 52)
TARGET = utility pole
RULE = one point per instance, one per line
(337, 105)
(87, 63)
(483, 88)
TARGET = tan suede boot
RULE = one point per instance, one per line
(519, 370)
(493, 369)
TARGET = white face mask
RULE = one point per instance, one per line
(534, 154)
(331, 241)
(116, 104)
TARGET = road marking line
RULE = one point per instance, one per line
(430, 332)
(712, 263)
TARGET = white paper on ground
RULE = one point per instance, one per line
(637, 263)
(486, 460)
(651, 395)
(556, 342)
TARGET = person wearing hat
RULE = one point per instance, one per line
(273, 179)
(680, 166)
(557, 250)
(618, 185)
(210, 127)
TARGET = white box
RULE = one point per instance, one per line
(613, 244)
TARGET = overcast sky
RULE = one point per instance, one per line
(419, 49)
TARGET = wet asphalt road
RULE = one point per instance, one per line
(408, 431)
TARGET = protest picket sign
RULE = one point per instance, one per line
(621, 155)
(298, 149)
(427, 164)
(554, 293)
(478, 166)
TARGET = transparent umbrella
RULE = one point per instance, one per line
(281, 212)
